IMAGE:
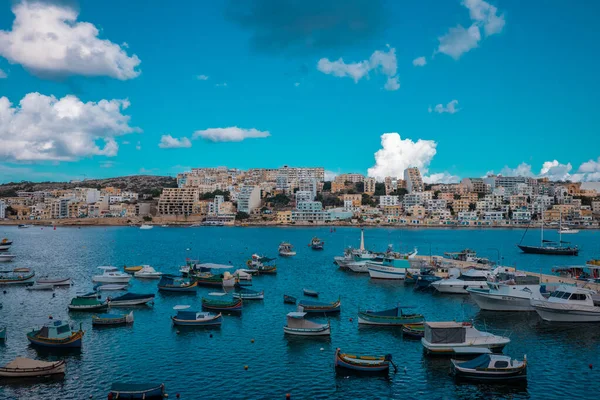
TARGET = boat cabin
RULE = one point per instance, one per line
(572, 294)
(445, 332)
(55, 330)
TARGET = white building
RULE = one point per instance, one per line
(2, 209)
(304, 195)
(493, 216)
(521, 216)
(467, 216)
(310, 211)
(213, 208)
(248, 199)
(389, 200)
(308, 185)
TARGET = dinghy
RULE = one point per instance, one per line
(247, 294)
(87, 304)
(7, 257)
(146, 391)
(38, 286)
(186, 317)
(311, 293)
(171, 283)
(111, 287)
(289, 299)
(234, 305)
(22, 367)
(54, 281)
(362, 364)
(491, 367)
(297, 325)
(319, 307)
(131, 299)
(147, 272)
(112, 319)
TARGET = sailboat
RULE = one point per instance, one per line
(550, 247)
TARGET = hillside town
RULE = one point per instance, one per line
(302, 196)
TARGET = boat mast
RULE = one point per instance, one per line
(542, 230)
(362, 240)
(560, 229)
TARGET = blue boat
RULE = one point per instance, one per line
(308, 306)
(186, 317)
(56, 334)
(172, 283)
(362, 364)
(425, 281)
(145, 391)
(112, 319)
(392, 317)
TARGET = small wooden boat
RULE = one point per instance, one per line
(7, 257)
(415, 331)
(89, 295)
(267, 270)
(56, 334)
(147, 272)
(87, 304)
(112, 319)
(130, 391)
(207, 279)
(133, 268)
(110, 287)
(391, 317)
(2, 334)
(317, 244)
(54, 281)
(18, 276)
(311, 293)
(186, 317)
(22, 367)
(247, 294)
(289, 299)
(297, 325)
(286, 250)
(234, 305)
(6, 242)
(362, 364)
(38, 286)
(319, 307)
(130, 299)
(491, 367)
(171, 283)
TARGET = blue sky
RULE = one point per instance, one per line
(525, 92)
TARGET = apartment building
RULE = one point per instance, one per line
(370, 185)
(467, 216)
(356, 199)
(389, 200)
(284, 217)
(308, 185)
(414, 182)
(248, 199)
(493, 216)
(310, 211)
(476, 185)
(304, 195)
(178, 201)
(2, 209)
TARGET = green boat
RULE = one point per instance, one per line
(87, 304)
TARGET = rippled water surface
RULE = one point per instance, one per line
(196, 365)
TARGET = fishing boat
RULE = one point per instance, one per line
(287, 299)
(110, 287)
(22, 367)
(286, 250)
(424, 282)
(7, 257)
(207, 279)
(147, 272)
(112, 319)
(186, 317)
(459, 338)
(18, 276)
(83, 304)
(37, 286)
(111, 275)
(267, 270)
(4, 247)
(133, 268)
(146, 226)
(568, 231)
(234, 305)
(138, 391)
(6, 242)
(491, 367)
(171, 283)
(54, 281)
(2, 334)
(23, 226)
(297, 325)
(362, 364)
(471, 278)
(351, 255)
(568, 304)
(414, 331)
(549, 247)
(500, 296)
(319, 307)
(317, 244)
(311, 293)
(131, 299)
(392, 317)
(388, 268)
(56, 334)
(247, 294)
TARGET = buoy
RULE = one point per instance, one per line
(177, 395)
(49, 316)
(245, 367)
(321, 349)
(251, 340)
(288, 396)
(210, 335)
(591, 366)
(177, 332)
(350, 319)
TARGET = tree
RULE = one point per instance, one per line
(327, 186)
(147, 218)
(472, 206)
(436, 194)
(360, 187)
(9, 210)
(241, 215)
(585, 200)
(211, 195)
(365, 200)
(401, 191)
(456, 196)
(379, 189)
(480, 195)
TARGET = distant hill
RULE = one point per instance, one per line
(151, 184)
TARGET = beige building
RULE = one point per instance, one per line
(414, 182)
(356, 199)
(284, 217)
(177, 201)
(460, 205)
(370, 186)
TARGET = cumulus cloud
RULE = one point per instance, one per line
(44, 128)
(138, 145)
(330, 175)
(47, 40)
(397, 154)
(555, 171)
(384, 62)
(3, 74)
(202, 77)
(419, 62)
(442, 177)
(169, 142)
(522, 169)
(450, 108)
(460, 40)
(230, 134)
(297, 84)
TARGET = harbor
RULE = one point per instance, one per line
(249, 345)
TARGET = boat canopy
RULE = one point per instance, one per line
(214, 266)
(187, 315)
(445, 332)
(181, 307)
(296, 314)
(28, 363)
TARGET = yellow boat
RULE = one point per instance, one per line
(133, 268)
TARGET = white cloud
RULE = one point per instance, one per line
(449, 108)
(202, 77)
(169, 142)
(46, 128)
(3, 74)
(382, 61)
(419, 62)
(522, 169)
(459, 40)
(555, 171)
(230, 134)
(297, 84)
(330, 175)
(46, 39)
(397, 154)
(442, 177)
(138, 145)
(224, 84)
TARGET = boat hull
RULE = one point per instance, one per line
(101, 279)
(132, 302)
(73, 342)
(555, 251)
(216, 321)
(514, 374)
(498, 302)
(383, 272)
(325, 331)
(131, 393)
(366, 319)
(55, 282)
(449, 348)
(99, 307)
(342, 362)
(57, 369)
(559, 315)
(458, 288)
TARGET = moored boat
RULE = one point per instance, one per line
(388, 268)
(54, 281)
(362, 364)
(147, 272)
(111, 275)
(18, 276)
(146, 226)
(286, 249)
(7, 257)
(568, 304)
(2, 334)
(297, 325)
(110, 287)
(504, 297)
(112, 319)
(171, 283)
(247, 294)
(131, 299)
(459, 338)
(392, 317)
(319, 307)
(234, 305)
(6, 242)
(311, 293)
(56, 334)
(22, 367)
(87, 304)
(186, 317)
(317, 244)
(141, 391)
(37, 286)
(491, 367)
(289, 299)
(415, 331)
(472, 278)
(207, 279)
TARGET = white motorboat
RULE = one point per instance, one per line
(504, 297)
(22, 367)
(111, 275)
(110, 286)
(7, 257)
(472, 278)
(4, 247)
(38, 286)
(286, 250)
(459, 338)
(54, 281)
(147, 272)
(568, 304)
(566, 230)
(388, 268)
(359, 267)
(146, 226)
(297, 325)
(491, 367)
